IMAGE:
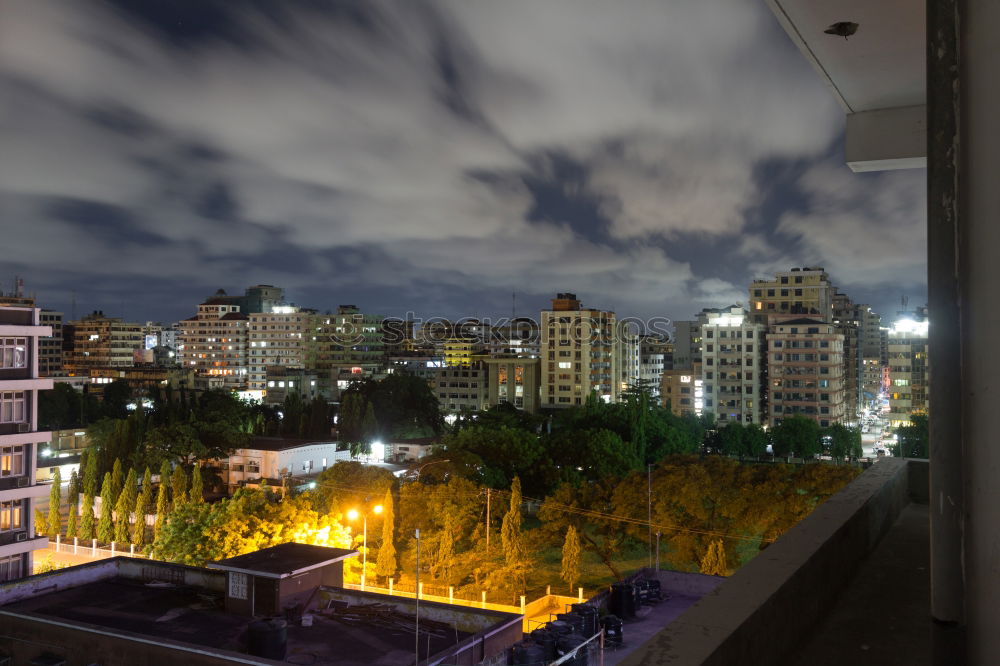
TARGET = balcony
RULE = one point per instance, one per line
(847, 585)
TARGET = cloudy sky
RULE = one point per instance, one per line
(430, 156)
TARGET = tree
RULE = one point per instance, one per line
(842, 441)
(731, 439)
(123, 508)
(798, 435)
(754, 440)
(116, 397)
(515, 554)
(73, 489)
(87, 518)
(106, 523)
(162, 499)
(914, 439)
(386, 566)
(714, 561)
(54, 524)
(570, 571)
(178, 486)
(41, 524)
(197, 488)
(90, 473)
(246, 522)
(71, 524)
(142, 507)
(117, 480)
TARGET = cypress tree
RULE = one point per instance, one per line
(41, 524)
(510, 535)
(54, 525)
(197, 489)
(162, 500)
(145, 501)
(714, 561)
(178, 486)
(106, 523)
(116, 480)
(385, 566)
(71, 524)
(87, 518)
(90, 474)
(123, 508)
(570, 571)
(73, 489)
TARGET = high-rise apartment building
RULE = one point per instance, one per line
(732, 367)
(578, 352)
(654, 352)
(50, 348)
(682, 391)
(513, 380)
(804, 291)
(628, 349)
(908, 369)
(349, 341)
(214, 344)
(806, 371)
(20, 330)
(276, 338)
(100, 341)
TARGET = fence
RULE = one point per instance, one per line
(90, 548)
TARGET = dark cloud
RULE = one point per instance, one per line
(440, 154)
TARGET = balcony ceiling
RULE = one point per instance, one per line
(881, 66)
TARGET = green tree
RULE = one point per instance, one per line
(41, 523)
(570, 570)
(914, 439)
(515, 553)
(123, 507)
(731, 439)
(87, 518)
(117, 479)
(54, 525)
(796, 434)
(73, 489)
(197, 487)
(90, 479)
(178, 486)
(106, 523)
(61, 407)
(162, 499)
(842, 441)
(72, 530)
(116, 397)
(714, 561)
(143, 506)
(754, 440)
(386, 565)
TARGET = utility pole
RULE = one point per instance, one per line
(416, 595)
(487, 521)
(649, 509)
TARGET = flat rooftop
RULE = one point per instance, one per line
(361, 634)
(284, 559)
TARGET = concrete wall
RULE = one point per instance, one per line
(784, 591)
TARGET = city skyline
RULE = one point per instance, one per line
(431, 157)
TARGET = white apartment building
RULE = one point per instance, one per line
(213, 343)
(579, 354)
(908, 370)
(732, 365)
(19, 438)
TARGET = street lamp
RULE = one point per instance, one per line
(353, 515)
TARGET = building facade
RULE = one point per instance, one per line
(732, 366)
(513, 380)
(275, 338)
(806, 371)
(803, 291)
(50, 348)
(908, 370)
(100, 341)
(20, 330)
(579, 354)
(214, 344)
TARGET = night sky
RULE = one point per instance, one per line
(432, 157)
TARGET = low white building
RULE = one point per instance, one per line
(276, 458)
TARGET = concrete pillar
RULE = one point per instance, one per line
(112, 549)
(76, 544)
(131, 550)
(451, 594)
(944, 297)
(579, 595)
(978, 246)
(483, 603)
(522, 604)
(420, 590)
(93, 547)
(58, 541)
(390, 587)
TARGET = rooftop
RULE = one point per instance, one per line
(283, 560)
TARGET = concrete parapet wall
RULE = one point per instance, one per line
(757, 615)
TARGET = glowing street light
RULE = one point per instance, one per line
(353, 515)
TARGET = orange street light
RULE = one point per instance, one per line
(353, 515)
